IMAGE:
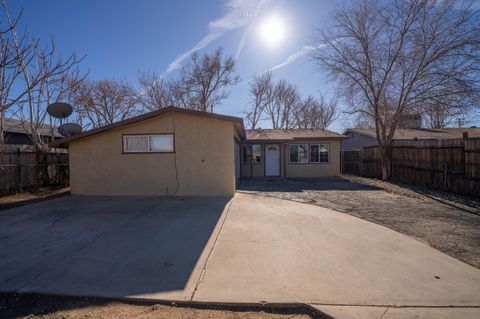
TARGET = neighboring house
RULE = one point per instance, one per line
(358, 138)
(175, 151)
(291, 153)
(14, 132)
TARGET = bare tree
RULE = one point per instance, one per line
(391, 57)
(25, 65)
(57, 86)
(443, 111)
(105, 102)
(282, 105)
(261, 95)
(156, 92)
(285, 99)
(315, 113)
(204, 80)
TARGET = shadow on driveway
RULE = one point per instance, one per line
(106, 246)
(301, 185)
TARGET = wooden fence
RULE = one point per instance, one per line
(22, 168)
(452, 165)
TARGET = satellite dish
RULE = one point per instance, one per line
(60, 110)
(69, 129)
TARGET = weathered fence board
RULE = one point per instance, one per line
(450, 164)
(22, 168)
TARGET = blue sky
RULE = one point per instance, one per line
(122, 37)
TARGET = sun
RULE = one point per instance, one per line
(272, 30)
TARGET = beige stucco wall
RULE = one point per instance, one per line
(299, 170)
(204, 155)
(316, 169)
(254, 169)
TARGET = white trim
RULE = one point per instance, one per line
(148, 136)
(270, 164)
(308, 153)
(328, 153)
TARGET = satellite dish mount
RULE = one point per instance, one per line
(61, 110)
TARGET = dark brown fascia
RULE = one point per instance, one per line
(65, 141)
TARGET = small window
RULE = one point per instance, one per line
(154, 143)
(252, 153)
(319, 153)
(298, 153)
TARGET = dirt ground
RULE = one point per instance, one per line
(8, 201)
(57, 307)
(446, 222)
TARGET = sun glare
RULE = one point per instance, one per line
(272, 30)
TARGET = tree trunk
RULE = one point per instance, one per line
(385, 152)
(42, 160)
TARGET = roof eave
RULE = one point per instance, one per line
(65, 141)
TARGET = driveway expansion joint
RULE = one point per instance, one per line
(204, 268)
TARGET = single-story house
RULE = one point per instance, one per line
(15, 133)
(171, 151)
(291, 153)
(175, 151)
(358, 138)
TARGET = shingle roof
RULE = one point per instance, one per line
(401, 134)
(15, 126)
(290, 134)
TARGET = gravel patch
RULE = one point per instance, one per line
(34, 306)
(451, 225)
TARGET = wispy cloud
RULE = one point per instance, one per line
(238, 13)
(304, 51)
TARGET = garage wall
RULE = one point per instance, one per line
(204, 151)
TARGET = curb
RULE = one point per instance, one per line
(32, 201)
(274, 308)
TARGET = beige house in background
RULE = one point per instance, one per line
(291, 153)
(175, 151)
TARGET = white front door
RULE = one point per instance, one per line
(272, 159)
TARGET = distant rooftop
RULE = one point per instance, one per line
(401, 134)
(15, 126)
(290, 134)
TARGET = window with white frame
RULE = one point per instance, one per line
(298, 153)
(319, 153)
(151, 143)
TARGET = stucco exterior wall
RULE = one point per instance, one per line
(253, 170)
(202, 165)
(296, 170)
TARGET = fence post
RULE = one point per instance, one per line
(393, 169)
(445, 175)
(360, 162)
(18, 172)
(342, 161)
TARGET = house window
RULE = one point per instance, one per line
(298, 153)
(319, 153)
(252, 153)
(152, 143)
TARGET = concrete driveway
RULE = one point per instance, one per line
(107, 246)
(251, 249)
